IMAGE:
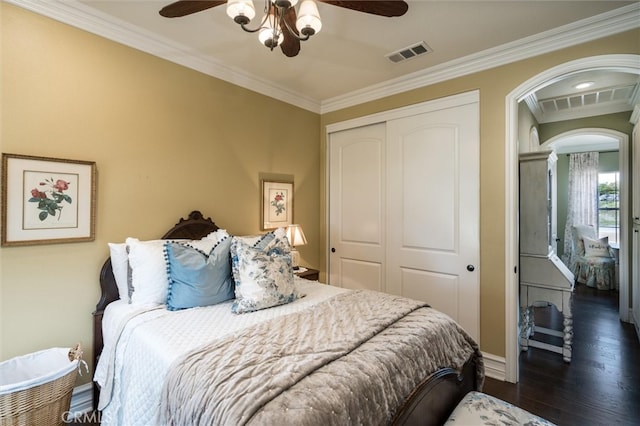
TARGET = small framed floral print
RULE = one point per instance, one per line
(277, 204)
(47, 200)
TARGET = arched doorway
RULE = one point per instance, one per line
(602, 139)
(620, 63)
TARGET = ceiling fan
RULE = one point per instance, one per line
(281, 25)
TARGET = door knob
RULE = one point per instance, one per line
(471, 268)
(333, 249)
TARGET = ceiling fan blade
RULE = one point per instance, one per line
(375, 7)
(187, 7)
(291, 45)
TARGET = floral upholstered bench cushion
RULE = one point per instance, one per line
(477, 408)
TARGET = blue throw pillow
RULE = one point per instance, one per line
(197, 278)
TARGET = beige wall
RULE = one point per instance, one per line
(618, 121)
(166, 140)
(526, 120)
(494, 85)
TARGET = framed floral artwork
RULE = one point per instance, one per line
(47, 200)
(277, 204)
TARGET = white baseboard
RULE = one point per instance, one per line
(494, 366)
(81, 400)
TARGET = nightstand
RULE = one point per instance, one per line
(309, 274)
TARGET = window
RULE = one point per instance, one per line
(609, 206)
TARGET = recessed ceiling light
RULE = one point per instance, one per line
(584, 85)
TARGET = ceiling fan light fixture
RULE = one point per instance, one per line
(280, 24)
(241, 11)
(308, 22)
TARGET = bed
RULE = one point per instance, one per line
(329, 356)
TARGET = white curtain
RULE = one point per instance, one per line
(582, 206)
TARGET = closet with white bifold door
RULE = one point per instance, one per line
(403, 205)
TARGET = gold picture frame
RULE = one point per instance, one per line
(47, 200)
(277, 204)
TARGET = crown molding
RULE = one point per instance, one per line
(76, 14)
(532, 102)
(593, 28)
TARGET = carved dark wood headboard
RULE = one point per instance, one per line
(194, 227)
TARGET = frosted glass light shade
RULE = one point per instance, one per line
(308, 17)
(266, 34)
(240, 8)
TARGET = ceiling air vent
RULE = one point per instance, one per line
(409, 52)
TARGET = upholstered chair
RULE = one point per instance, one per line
(592, 261)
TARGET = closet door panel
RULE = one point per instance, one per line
(360, 193)
(440, 289)
(429, 189)
(361, 275)
(433, 211)
(356, 208)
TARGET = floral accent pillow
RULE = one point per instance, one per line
(478, 409)
(262, 271)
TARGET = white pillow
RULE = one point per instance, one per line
(578, 233)
(120, 265)
(149, 278)
(596, 248)
(148, 275)
(217, 235)
(207, 243)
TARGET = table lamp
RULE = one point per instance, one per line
(296, 237)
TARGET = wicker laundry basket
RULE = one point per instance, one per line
(39, 392)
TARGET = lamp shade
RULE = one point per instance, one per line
(241, 8)
(295, 235)
(308, 18)
(270, 36)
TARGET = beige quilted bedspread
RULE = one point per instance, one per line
(350, 360)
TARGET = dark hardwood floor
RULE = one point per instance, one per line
(601, 385)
